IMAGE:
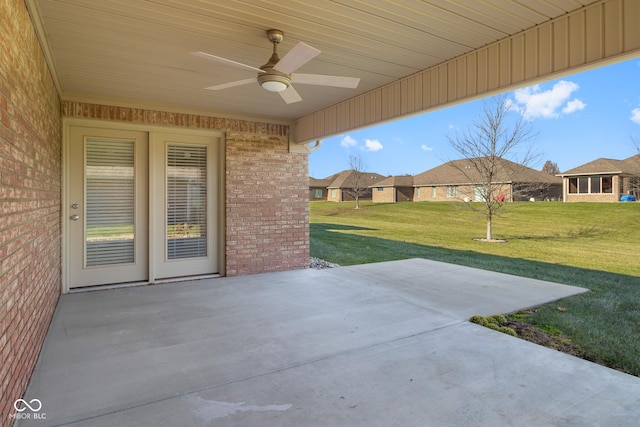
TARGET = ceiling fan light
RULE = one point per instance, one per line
(273, 81)
(274, 86)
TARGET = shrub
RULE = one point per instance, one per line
(495, 322)
(507, 330)
(499, 319)
(480, 320)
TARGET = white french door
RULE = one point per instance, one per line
(140, 206)
(185, 189)
(107, 210)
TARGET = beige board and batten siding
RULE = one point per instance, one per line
(603, 32)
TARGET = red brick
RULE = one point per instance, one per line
(30, 174)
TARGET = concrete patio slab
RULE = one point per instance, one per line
(377, 344)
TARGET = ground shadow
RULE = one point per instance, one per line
(580, 232)
(333, 227)
(341, 248)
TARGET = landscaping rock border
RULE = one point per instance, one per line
(319, 264)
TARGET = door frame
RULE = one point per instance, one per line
(152, 131)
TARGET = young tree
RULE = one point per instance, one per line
(550, 168)
(498, 134)
(635, 180)
(356, 183)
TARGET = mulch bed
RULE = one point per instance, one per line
(559, 342)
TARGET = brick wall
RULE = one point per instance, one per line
(334, 195)
(392, 194)
(385, 195)
(464, 192)
(267, 207)
(266, 186)
(426, 194)
(30, 167)
(150, 117)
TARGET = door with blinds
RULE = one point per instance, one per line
(185, 214)
(107, 211)
(141, 206)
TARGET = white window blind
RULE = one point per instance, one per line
(186, 201)
(110, 201)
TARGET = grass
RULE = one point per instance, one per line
(592, 245)
(126, 231)
(110, 232)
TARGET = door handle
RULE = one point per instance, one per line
(75, 217)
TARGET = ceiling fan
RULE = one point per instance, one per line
(277, 74)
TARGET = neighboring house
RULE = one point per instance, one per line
(602, 180)
(339, 190)
(393, 189)
(318, 188)
(455, 180)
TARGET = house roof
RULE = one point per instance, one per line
(321, 182)
(342, 179)
(461, 172)
(395, 181)
(122, 52)
(602, 166)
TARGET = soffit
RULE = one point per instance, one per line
(137, 51)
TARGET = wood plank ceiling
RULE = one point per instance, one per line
(136, 52)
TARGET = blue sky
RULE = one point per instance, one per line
(577, 119)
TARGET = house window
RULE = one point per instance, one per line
(583, 185)
(433, 192)
(591, 185)
(333, 193)
(379, 189)
(417, 192)
(316, 193)
(452, 191)
(573, 185)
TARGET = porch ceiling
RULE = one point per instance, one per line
(137, 51)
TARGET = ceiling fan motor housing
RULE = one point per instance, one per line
(272, 80)
(275, 36)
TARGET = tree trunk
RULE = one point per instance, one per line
(489, 232)
(357, 202)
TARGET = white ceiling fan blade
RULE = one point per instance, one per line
(290, 95)
(232, 84)
(226, 61)
(296, 58)
(323, 80)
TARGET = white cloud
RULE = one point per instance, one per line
(509, 104)
(372, 145)
(574, 105)
(635, 115)
(347, 142)
(533, 103)
(426, 148)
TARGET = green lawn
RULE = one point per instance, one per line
(592, 245)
